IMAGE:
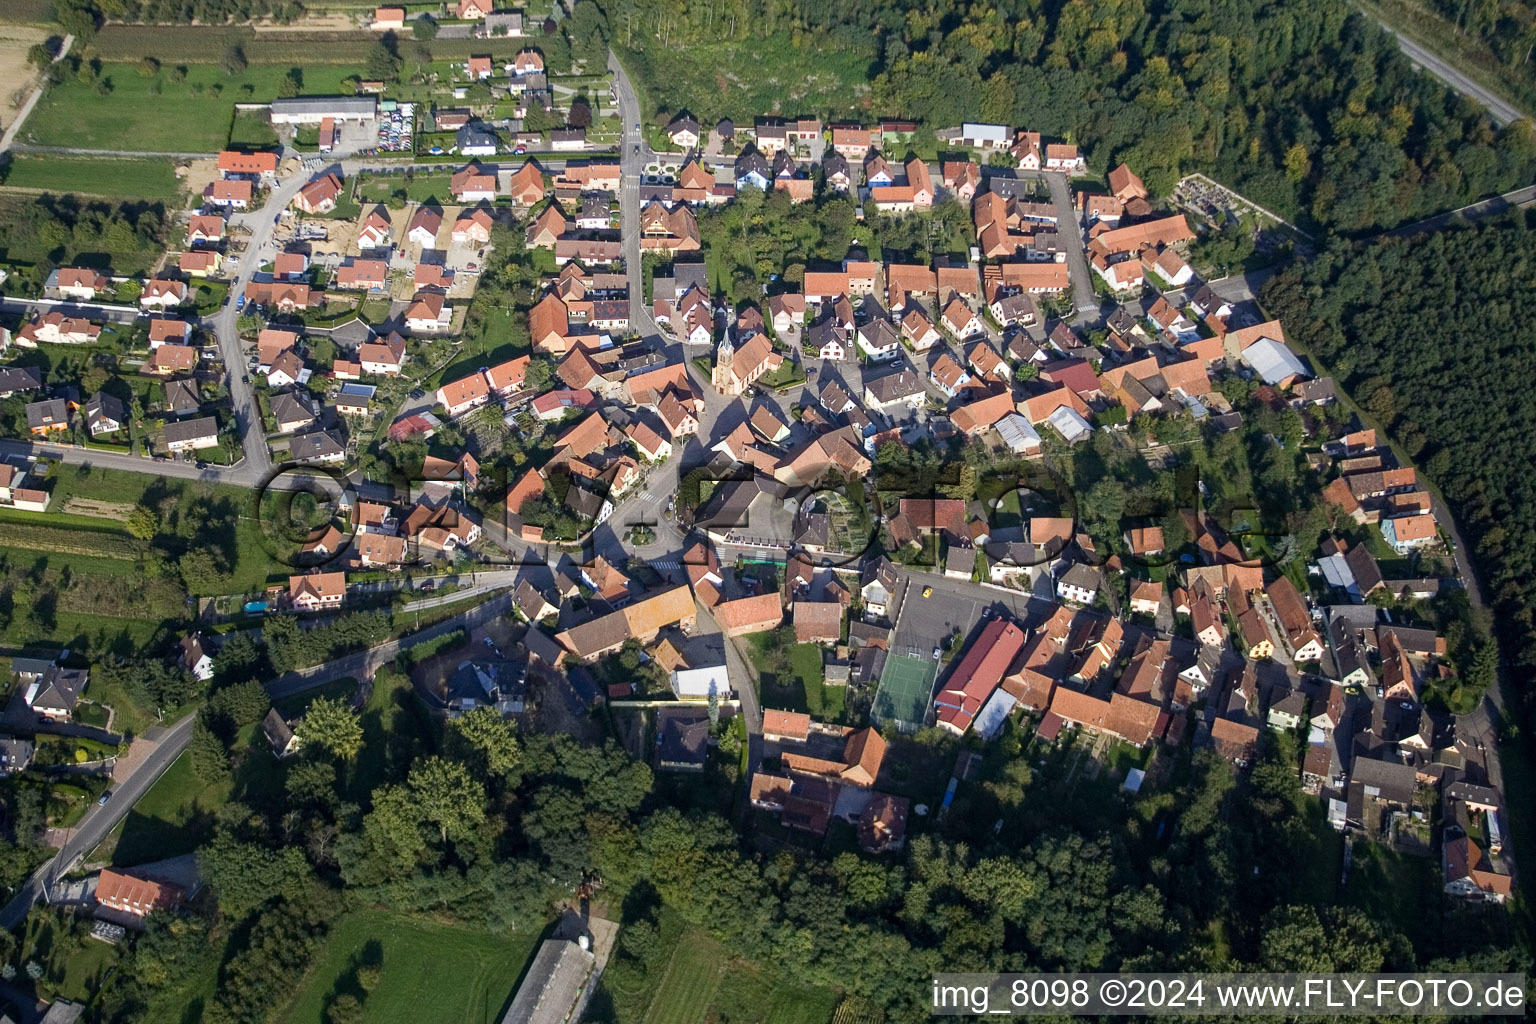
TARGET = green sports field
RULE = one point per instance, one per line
(906, 688)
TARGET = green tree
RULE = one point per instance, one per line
(486, 741)
(331, 725)
(383, 63)
(245, 875)
(142, 523)
(210, 759)
(424, 28)
(346, 1009)
(447, 797)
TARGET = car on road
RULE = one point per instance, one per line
(637, 126)
(936, 653)
(245, 378)
(519, 150)
(927, 591)
(104, 798)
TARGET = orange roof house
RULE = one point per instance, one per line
(135, 894)
(1124, 183)
(548, 323)
(526, 186)
(750, 614)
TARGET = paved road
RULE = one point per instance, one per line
(1069, 230)
(36, 94)
(99, 820)
(1491, 207)
(1499, 109)
(247, 414)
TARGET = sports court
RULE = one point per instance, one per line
(906, 689)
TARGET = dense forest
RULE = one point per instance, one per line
(1302, 105)
(1430, 335)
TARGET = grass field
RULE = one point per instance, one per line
(906, 687)
(818, 75)
(688, 987)
(419, 188)
(251, 129)
(252, 566)
(694, 979)
(120, 179)
(803, 689)
(505, 337)
(173, 818)
(191, 116)
(429, 972)
(337, 689)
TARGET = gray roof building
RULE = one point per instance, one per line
(49, 413)
(182, 396)
(184, 431)
(321, 444)
(19, 378)
(684, 741)
(555, 986)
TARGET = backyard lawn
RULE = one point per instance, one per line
(191, 116)
(429, 972)
(128, 179)
(801, 688)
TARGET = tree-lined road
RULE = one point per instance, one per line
(1500, 109)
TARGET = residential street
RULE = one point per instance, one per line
(247, 414)
(1084, 298)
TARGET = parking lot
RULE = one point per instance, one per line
(396, 129)
(924, 623)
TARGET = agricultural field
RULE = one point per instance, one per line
(157, 114)
(205, 44)
(15, 73)
(118, 179)
(415, 983)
